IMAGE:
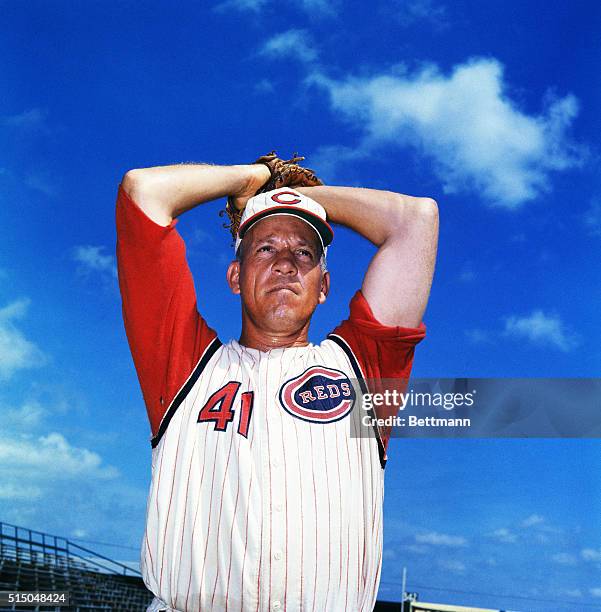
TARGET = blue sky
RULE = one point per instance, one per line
(491, 108)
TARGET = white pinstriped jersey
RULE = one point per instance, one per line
(264, 496)
(289, 517)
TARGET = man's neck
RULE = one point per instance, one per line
(266, 341)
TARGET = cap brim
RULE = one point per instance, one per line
(322, 227)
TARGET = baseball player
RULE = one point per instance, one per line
(266, 489)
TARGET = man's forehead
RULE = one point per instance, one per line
(283, 227)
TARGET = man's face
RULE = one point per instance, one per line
(279, 278)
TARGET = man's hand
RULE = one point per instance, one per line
(280, 173)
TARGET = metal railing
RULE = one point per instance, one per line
(37, 547)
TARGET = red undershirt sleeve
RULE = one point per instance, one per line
(382, 352)
(166, 334)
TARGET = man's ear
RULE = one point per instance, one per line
(233, 276)
(325, 287)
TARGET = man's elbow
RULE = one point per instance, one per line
(133, 181)
(427, 208)
(411, 210)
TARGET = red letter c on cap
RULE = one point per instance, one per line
(276, 198)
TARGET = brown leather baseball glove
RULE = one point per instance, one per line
(284, 173)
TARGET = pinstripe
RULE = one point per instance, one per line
(371, 489)
(348, 562)
(248, 506)
(220, 516)
(359, 553)
(158, 487)
(204, 462)
(229, 571)
(339, 508)
(325, 448)
(285, 494)
(225, 479)
(181, 547)
(205, 431)
(266, 359)
(168, 513)
(208, 534)
(348, 537)
(245, 543)
(148, 549)
(315, 505)
(192, 462)
(208, 530)
(302, 535)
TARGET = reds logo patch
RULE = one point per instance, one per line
(319, 395)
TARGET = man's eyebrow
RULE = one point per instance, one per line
(268, 238)
(274, 237)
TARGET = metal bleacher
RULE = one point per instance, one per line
(35, 561)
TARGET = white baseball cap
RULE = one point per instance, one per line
(286, 201)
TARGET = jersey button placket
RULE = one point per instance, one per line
(278, 488)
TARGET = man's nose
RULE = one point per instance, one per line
(285, 262)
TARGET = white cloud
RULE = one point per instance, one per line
(571, 592)
(264, 86)
(452, 565)
(16, 351)
(595, 592)
(440, 539)
(79, 533)
(42, 182)
(253, 6)
(564, 559)
(32, 118)
(294, 43)
(532, 520)
(592, 217)
(317, 7)
(29, 415)
(421, 11)
(31, 459)
(467, 274)
(590, 554)
(477, 336)
(92, 259)
(478, 138)
(504, 535)
(418, 549)
(543, 329)
(19, 491)
(312, 7)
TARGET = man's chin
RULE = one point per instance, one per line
(284, 317)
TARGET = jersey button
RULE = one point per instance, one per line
(276, 605)
(277, 555)
(278, 507)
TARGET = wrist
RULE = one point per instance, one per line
(253, 177)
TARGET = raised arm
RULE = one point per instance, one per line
(165, 192)
(166, 334)
(405, 230)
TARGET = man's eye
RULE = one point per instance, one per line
(305, 253)
(265, 247)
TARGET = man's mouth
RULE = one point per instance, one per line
(283, 288)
